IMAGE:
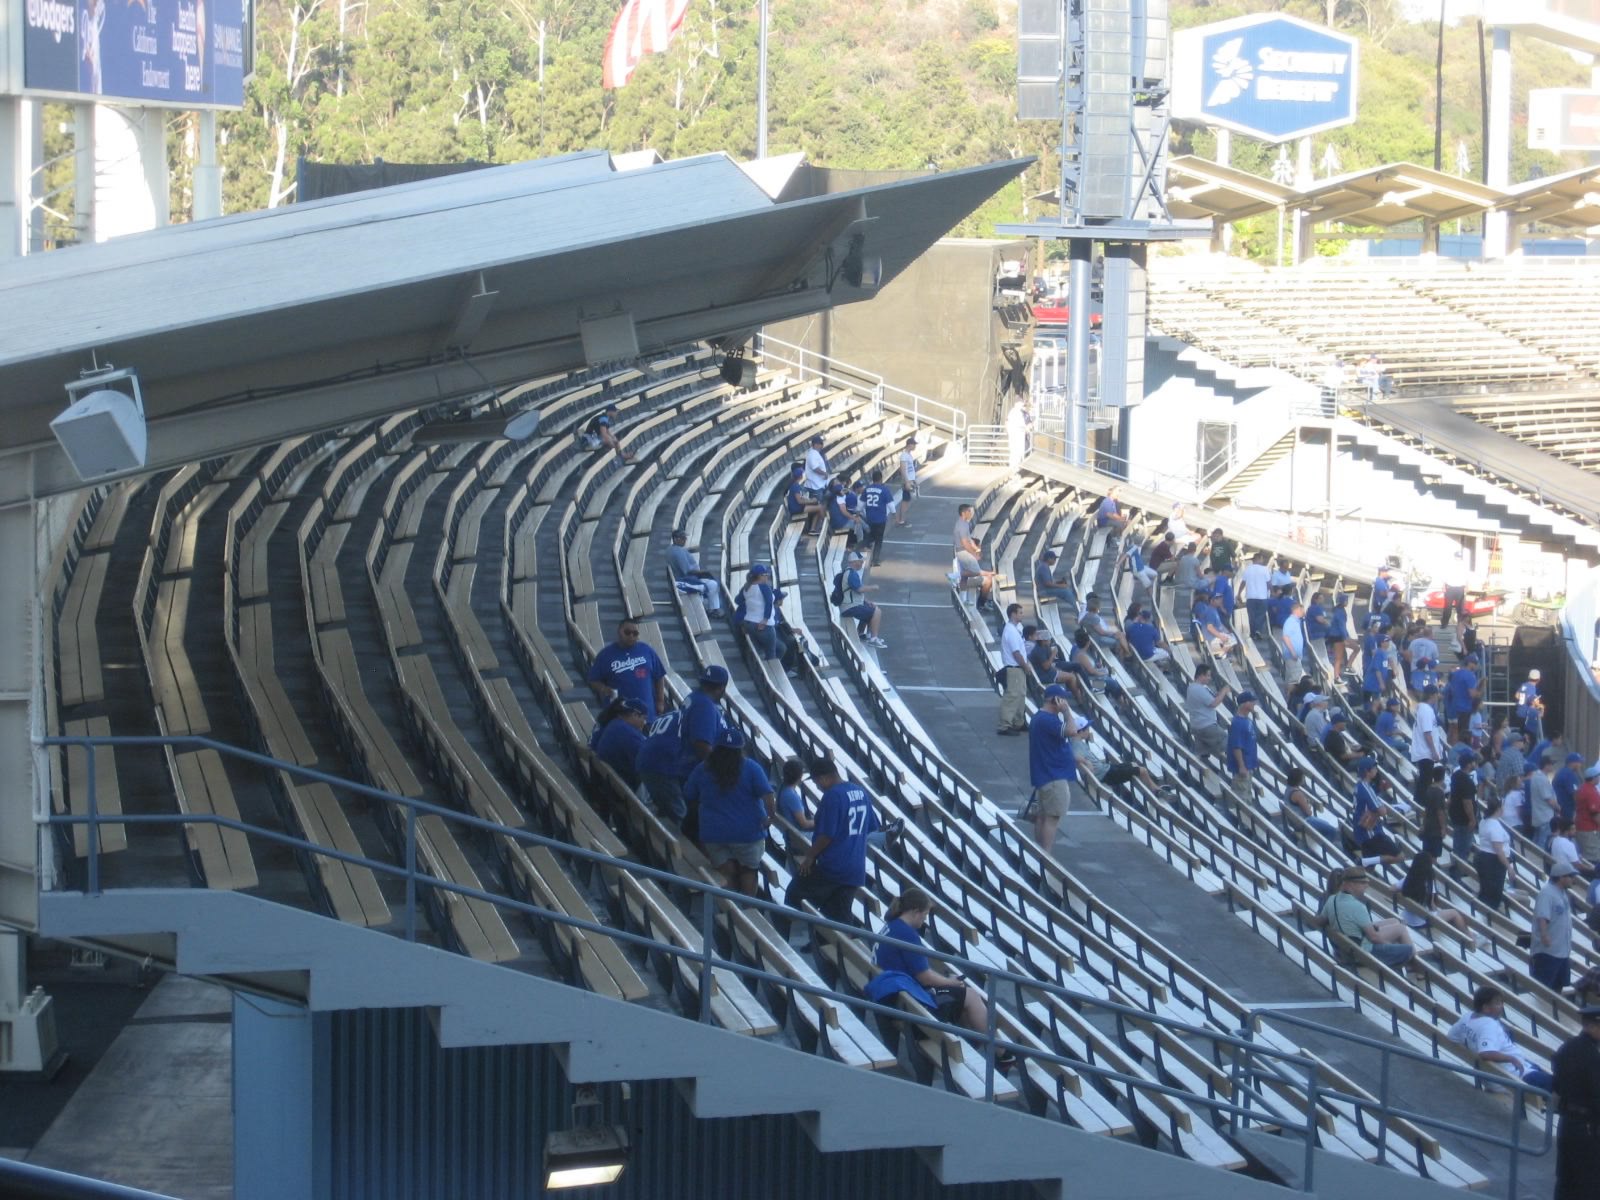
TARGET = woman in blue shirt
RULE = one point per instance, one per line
(736, 806)
(954, 1000)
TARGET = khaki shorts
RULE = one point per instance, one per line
(1055, 798)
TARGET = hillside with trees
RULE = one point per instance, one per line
(853, 83)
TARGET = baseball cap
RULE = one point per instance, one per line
(1056, 692)
(1316, 698)
(714, 674)
(731, 737)
(1513, 735)
(1247, 697)
(1592, 773)
(1431, 690)
(817, 439)
(821, 764)
(854, 556)
(1534, 674)
(1366, 764)
(1392, 703)
(1335, 715)
(629, 705)
(760, 569)
(1466, 755)
(1572, 758)
(1049, 556)
(1562, 869)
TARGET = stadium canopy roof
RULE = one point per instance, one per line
(255, 327)
(1197, 187)
(1393, 194)
(1571, 200)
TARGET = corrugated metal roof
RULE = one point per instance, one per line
(271, 323)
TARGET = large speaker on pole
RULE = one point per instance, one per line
(1039, 54)
(1106, 139)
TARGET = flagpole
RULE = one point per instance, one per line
(761, 89)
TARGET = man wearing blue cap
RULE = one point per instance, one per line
(1366, 819)
(1052, 766)
(1242, 756)
(680, 741)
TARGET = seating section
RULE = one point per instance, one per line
(1567, 426)
(1437, 334)
(419, 617)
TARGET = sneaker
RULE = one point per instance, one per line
(878, 642)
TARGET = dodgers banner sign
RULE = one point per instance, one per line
(176, 53)
(1269, 76)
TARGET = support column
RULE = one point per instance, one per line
(1304, 226)
(1496, 243)
(28, 1043)
(208, 170)
(280, 1100)
(1077, 409)
(83, 172)
(1222, 231)
(19, 157)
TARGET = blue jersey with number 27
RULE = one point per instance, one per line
(845, 815)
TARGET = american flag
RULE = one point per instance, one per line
(642, 27)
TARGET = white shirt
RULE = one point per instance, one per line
(1013, 650)
(908, 466)
(1425, 739)
(816, 473)
(1491, 834)
(1511, 807)
(1424, 647)
(1479, 1032)
(1564, 849)
(1257, 581)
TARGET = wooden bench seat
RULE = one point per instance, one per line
(253, 551)
(186, 529)
(355, 495)
(223, 854)
(172, 679)
(102, 533)
(281, 729)
(108, 792)
(477, 927)
(352, 890)
(394, 603)
(82, 679)
(474, 781)
(599, 961)
(458, 602)
(387, 764)
(466, 541)
(327, 594)
(409, 519)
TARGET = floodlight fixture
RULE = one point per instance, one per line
(858, 270)
(585, 1157)
(737, 370)
(103, 430)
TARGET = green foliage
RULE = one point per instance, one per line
(864, 84)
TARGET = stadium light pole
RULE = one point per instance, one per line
(761, 85)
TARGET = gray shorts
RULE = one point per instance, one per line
(1055, 798)
(746, 854)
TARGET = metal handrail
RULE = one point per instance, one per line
(866, 384)
(30, 1179)
(1269, 1061)
(1386, 1111)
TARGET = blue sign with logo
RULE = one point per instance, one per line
(1269, 76)
(177, 53)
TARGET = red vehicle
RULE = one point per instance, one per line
(1481, 604)
(1058, 314)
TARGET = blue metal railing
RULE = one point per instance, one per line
(25, 1181)
(1251, 1062)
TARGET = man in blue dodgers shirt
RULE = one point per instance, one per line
(630, 668)
(876, 501)
(834, 867)
(681, 740)
(1052, 765)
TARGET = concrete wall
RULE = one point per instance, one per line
(931, 331)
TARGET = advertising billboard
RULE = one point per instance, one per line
(168, 53)
(1563, 119)
(1269, 76)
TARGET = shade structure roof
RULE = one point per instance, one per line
(1394, 194)
(1197, 188)
(1570, 200)
(254, 327)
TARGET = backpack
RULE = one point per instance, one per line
(836, 597)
